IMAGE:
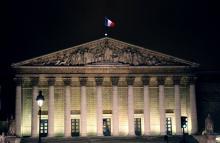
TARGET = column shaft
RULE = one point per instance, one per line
(18, 110)
(115, 109)
(146, 110)
(130, 110)
(177, 109)
(83, 112)
(51, 111)
(162, 110)
(67, 120)
(99, 110)
(34, 118)
(193, 111)
(130, 82)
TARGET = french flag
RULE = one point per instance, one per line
(109, 23)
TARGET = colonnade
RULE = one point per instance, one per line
(99, 106)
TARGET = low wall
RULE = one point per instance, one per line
(13, 139)
(205, 138)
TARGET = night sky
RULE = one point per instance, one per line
(187, 29)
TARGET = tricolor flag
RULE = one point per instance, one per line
(109, 23)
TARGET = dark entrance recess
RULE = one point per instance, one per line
(169, 125)
(107, 127)
(75, 127)
(137, 126)
(44, 127)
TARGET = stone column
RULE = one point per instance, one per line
(146, 81)
(161, 82)
(176, 82)
(18, 106)
(67, 120)
(83, 106)
(115, 108)
(51, 82)
(99, 81)
(34, 115)
(130, 81)
(192, 106)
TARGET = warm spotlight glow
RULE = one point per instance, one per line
(40, 99)
(40, 103)
(218, 139)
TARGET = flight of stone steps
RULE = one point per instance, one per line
(148, 139)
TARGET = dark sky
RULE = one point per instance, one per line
(187, 29)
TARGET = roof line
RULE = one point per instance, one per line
(193, 64)
(158, 53)
(25, 61)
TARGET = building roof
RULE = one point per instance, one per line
(104, 52)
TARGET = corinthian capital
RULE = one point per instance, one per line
(176, 80)
(67, 81)
(192, 79)
(83, 81)
(130, 80)
(34, 81)
(114, 80)
(51, 81)
(161, 80)
(99, 81)
(18, 81)
(145, 80)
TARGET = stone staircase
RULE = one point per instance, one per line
(142, 139)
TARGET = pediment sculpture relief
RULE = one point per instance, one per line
(104, 53)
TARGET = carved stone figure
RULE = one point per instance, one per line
(135, 59)
(11, 131)
(2, 138)
(108, 54)
(12, 126)
(208, 125)
(208, 135)
(104, 51)
(88, 57)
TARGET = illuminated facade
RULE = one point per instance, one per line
(105, 87)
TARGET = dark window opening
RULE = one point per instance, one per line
(169, 125)
(75, 127)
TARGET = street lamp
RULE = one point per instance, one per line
(40, 101)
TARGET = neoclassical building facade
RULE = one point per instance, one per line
(105, 87)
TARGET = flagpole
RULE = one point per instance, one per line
(106, 34)
(105, 27)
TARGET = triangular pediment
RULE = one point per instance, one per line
(106, 51)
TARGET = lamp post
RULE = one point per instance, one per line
(40, 101)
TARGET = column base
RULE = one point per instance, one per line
(115, 134)
(179, 133)
(99, 135)
(131, 134)
(147, 134)
(67, 135)
(50, 135)
(34, 135)
(83, 134)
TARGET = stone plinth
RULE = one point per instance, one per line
(206, 138)
(13, 139)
